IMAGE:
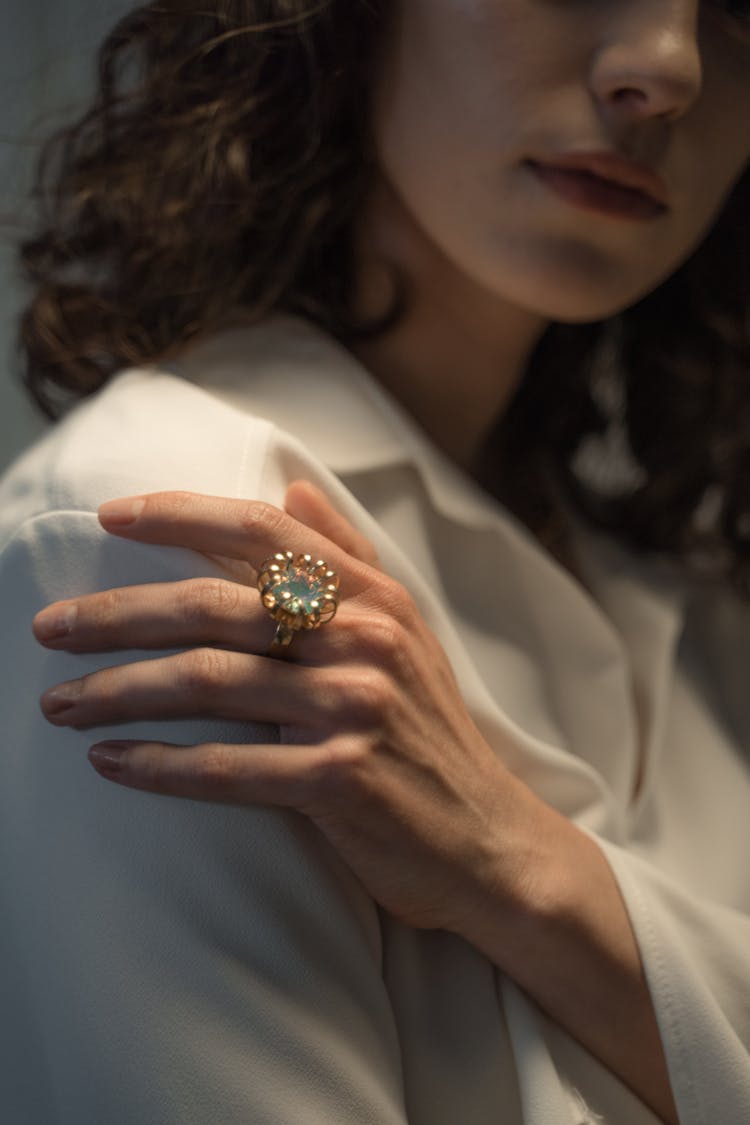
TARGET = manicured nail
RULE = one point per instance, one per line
(118, 513)
(108, 755)
(55, 622)
(61, 698)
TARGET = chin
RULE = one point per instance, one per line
(570, 281)
(572, 301)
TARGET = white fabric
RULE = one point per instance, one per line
(175, 962)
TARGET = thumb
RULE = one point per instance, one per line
(306, 503)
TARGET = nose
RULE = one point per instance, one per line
(649, 64)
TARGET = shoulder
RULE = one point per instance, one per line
(146, 430)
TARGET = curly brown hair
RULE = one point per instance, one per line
(223, 164)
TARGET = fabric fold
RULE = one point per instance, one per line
(579, 689)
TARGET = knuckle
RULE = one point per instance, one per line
(383, 638)
(166, 769)
(344, 765)
(175, 501)
(217, 767)
(379, 640)
(396, 601)
(206, 600)
(166, 505)
(202, 670)
(106, 608)
(370, 695)
(259, 519)
(102, 689)
(155, 769)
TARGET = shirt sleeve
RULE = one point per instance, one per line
(696, 956)
(166, 961)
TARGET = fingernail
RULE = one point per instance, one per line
(121, 512)
(56, 622)
(61, 698)
(109, 755)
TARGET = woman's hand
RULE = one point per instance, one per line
(377, 747)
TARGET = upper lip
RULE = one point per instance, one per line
(617, 169)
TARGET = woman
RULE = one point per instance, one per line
(468, 850)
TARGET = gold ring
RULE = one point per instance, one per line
(298, 592)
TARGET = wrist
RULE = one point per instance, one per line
(524, 882)
(565, 937)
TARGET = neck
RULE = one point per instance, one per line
(456, 358)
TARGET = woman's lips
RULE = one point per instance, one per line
(592, 193)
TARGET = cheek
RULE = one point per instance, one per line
(715, 136)
(449, 116)
(455, 80)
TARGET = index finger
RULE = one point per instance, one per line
(249, 530)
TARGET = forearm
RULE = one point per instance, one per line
(573, 950)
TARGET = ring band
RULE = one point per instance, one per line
(298, 592)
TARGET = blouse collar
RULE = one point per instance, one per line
(288, 370)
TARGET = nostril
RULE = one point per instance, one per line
(627, 93)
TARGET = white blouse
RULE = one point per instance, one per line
(177, 962)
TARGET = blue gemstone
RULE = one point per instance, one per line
(304, 590)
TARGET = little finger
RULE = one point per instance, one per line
(237, 775)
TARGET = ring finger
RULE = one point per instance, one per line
(158, 615)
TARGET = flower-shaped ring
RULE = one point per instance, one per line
(298, 592)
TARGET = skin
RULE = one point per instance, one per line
(381, 777)
(468, 90)
(385, 750)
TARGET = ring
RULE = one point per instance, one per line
(298, 592)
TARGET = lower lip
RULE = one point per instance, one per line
(592, 194)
